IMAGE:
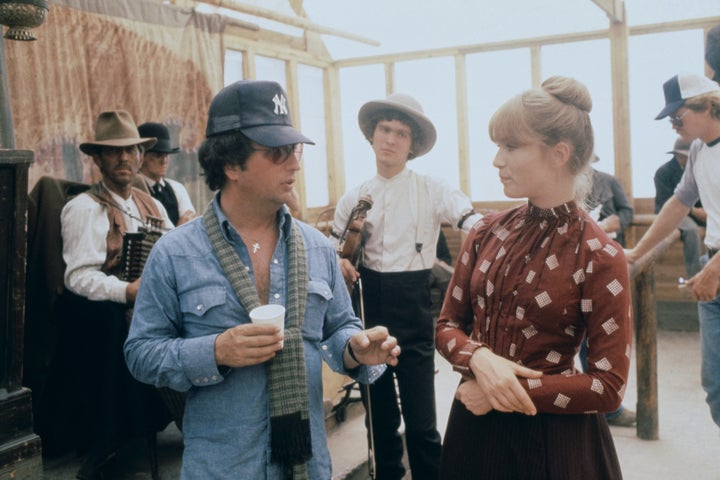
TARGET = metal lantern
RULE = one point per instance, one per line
(21, 16)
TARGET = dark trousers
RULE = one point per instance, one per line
(92, 404)
(401, 302)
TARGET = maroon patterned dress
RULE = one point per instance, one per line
(529, 284)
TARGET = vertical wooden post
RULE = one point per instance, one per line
(619, 33)
(646, 354)
(463, 135)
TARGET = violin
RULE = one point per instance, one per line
(355, 234)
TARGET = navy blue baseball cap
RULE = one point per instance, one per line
(256, 108)
(681, 87)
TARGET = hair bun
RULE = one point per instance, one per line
(570, 91)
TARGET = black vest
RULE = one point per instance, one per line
(166, 196)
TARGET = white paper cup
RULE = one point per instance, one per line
(272, 314)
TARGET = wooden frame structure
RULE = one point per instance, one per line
(309, 50)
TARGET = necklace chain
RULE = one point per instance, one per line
(255, 244)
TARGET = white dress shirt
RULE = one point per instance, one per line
(393, 219)
(85, 227)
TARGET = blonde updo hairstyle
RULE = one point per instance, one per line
(558, 111)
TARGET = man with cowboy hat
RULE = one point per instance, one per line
(402, 229)
(254, 407)
(113, 406)
(156, 159)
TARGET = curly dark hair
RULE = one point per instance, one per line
(391, 114)
(220, 151)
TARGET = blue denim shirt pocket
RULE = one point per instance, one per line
(202, 310)
(319, 294)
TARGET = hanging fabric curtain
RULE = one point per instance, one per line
(159, 62)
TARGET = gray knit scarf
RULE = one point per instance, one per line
(289, 413)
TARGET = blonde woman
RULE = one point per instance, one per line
(529, 284)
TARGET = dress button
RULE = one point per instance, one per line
(324, 347)
(275, 261)
(276, 296)
(247, 269)
(214, 377)
(199, 307)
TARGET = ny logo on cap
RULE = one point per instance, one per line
(280, 104)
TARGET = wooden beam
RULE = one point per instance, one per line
(293, 92)
(620, 80)
(614, 9)
(298, 22)
(333, 135)
(463, 135)
(699, 23)
(536, 65)
(389, 78)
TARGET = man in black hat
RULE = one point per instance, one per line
(156, 159)
(254, 408)
(666, 179)
(402, 230)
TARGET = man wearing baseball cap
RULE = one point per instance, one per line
(111, 405)
(692, 103)
(403, 227)
(156, 160)
(254, 406)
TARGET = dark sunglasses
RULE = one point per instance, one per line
(677, 120)
(281, 154)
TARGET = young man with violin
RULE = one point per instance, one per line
(254, 406)
(402, 228)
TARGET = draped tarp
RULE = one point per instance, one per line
(159, 62)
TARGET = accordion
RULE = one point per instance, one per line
(136, 248)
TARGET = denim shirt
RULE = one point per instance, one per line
(185, 301)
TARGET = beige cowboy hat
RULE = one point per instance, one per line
(116, 128)
(423, 141)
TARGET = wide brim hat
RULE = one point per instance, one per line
(423, 141)
(256, 108)
(162, 133)
(681, 147)
(115, 128)
(681, 87)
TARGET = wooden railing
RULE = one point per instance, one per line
(643, 293)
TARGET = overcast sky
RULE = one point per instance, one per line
(405, 25)
(410, 25)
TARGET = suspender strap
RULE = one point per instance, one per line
(421, 233)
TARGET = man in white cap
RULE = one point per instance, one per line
(666, 179)
(692, 102)
(113, 407)
(254, 406)
(402, 229)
